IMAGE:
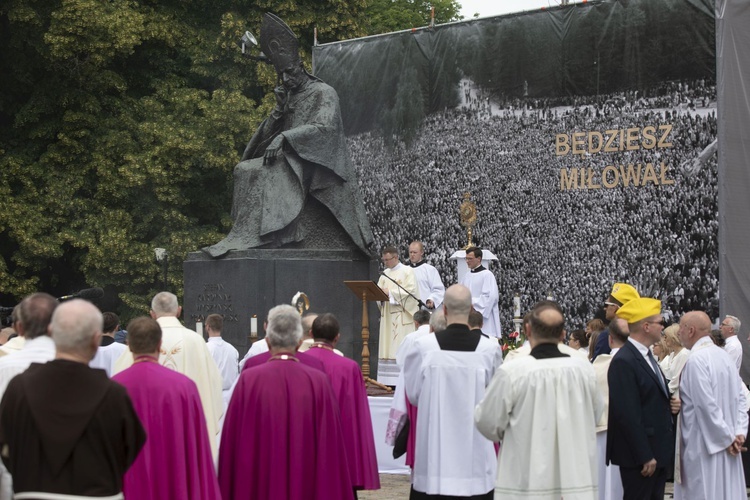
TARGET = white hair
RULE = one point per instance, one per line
(165, 304)
(734, 322)
(74, 325)
(284, 328)
(438, 322)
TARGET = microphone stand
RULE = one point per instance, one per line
(421, 304)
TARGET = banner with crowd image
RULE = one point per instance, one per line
(585, 134)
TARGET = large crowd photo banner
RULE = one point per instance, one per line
(586, 135)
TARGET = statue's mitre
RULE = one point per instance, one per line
(278, 42)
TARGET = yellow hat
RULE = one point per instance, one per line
(637, 309)
(622, 293)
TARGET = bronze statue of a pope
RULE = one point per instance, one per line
(297, 154)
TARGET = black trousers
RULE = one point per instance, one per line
(637, 487)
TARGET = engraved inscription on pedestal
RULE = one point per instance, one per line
(214, 300)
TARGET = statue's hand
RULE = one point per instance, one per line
(273, 149)
(280, 93)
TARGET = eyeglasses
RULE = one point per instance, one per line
(386, 259)
(660, 322)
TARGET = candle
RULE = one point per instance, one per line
(254, 326)
(516, 306)
(199, 328)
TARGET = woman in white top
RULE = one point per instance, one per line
(663, 355)
(578, 340)
(678, 357)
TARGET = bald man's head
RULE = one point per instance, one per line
(307, 323)
(693, 326)
(457, 304)
(546, 323)
(76, 328)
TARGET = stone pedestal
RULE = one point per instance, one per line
(251, 282)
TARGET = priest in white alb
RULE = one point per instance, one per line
(184, 351)
(445, 376)
(397, 315)
(713, 421)
(431, 288)
(544, 408)
(224, 354)
(484, 292)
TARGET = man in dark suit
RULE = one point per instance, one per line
(640, 431)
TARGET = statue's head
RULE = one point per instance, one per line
(279, 44)
(294, 76)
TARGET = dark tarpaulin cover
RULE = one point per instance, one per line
(733, 89)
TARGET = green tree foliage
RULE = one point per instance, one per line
(120, 124)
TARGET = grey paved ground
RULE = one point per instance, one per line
(392, 487)
(396, 487)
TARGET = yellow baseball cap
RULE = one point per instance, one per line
(637, 309)
(622, 293)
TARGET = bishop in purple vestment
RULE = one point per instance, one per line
(176, 461)
(262, 358)
(282, 434)
(351, 394)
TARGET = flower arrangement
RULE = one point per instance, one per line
(511, 342)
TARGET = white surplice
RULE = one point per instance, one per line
(525, 350)
(484, 297)
(451, 456)
(397, 414)
(545, 412)
(610, 482)
(733, 347)
(430, 285)
(226, 358)
(184, 351)
(259, 347)
(408, 342)
(712, 415)
(675, 369)
(106, 357)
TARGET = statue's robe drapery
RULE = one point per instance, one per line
(268, 199)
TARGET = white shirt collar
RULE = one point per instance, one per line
(641, 348)
(215, 340)
(424, 328)
(733, 339)
(41, 342)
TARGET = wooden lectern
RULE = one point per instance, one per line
(368, 291)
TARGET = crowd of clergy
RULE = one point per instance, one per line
(173, 416)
